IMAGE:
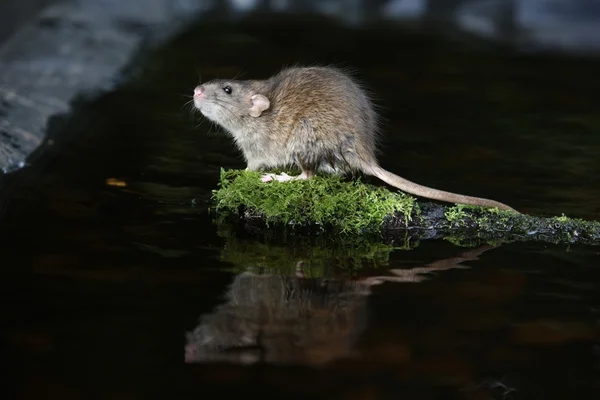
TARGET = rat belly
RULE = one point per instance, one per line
(260, 154)
(283, 155)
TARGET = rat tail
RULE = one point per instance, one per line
(430, 193)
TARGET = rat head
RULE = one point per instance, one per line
(230, 103)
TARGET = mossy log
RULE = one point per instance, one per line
(349, 207)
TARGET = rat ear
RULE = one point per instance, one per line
(259, 104)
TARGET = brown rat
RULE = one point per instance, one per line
(316, 118)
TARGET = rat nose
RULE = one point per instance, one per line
(198, 91)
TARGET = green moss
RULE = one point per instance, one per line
(358, 210)
(494, 224)
(455, 214)
(348, 207)
(562, 219)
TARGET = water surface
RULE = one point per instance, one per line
(119, 285)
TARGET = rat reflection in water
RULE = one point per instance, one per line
(295, 320)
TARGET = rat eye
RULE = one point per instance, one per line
(227, 89)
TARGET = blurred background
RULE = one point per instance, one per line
(527, 24)
(569, 26)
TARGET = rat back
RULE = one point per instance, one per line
(326, 117)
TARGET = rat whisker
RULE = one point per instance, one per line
(189, 103)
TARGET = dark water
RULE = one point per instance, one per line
(118, 285)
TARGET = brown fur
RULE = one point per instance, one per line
(316, 118)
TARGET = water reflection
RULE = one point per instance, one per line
(291, 319)
(281, 319)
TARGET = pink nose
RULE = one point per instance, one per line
(198, 91)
